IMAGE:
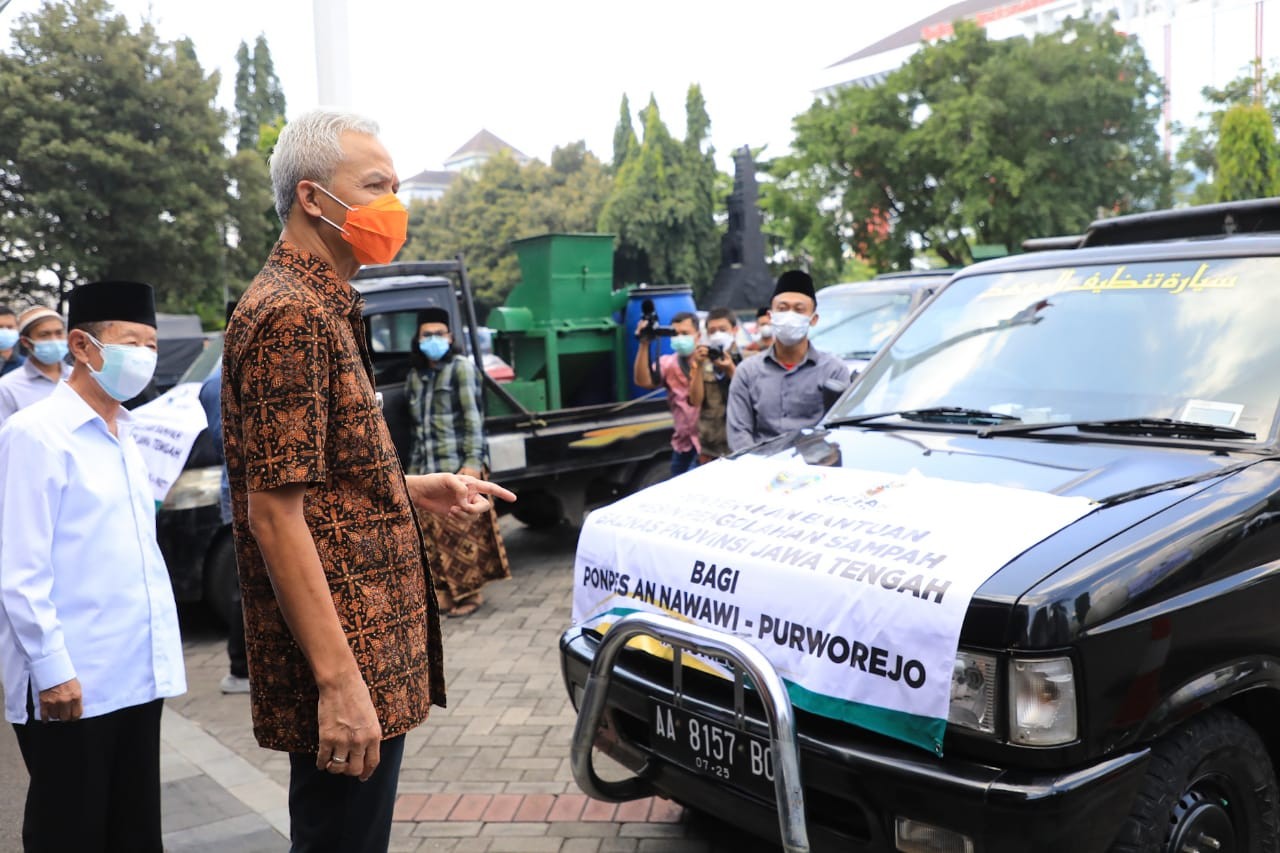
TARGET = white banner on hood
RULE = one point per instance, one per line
(164, 430)
(853, 583)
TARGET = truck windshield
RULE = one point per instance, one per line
(854, 325)
(1190, 340)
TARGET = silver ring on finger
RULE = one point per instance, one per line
(336, 760)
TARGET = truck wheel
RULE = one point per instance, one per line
(538, 510)
(220, 577)
(655, 471)
(1209, 787)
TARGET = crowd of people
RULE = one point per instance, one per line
(347, 561)
(728, 391)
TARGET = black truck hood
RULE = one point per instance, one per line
(1099, 471)
(1130, 482)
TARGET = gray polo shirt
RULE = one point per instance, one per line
(25, 386)
(766, 399)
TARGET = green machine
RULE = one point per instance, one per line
(557, 329)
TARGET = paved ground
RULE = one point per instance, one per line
(489, 774)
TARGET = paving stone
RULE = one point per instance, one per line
(581, 845)
(636, 810)
(196, 801)
(524, 845)
(534, 807)
(448, 829)
(568, 807)
(502, 808)
(437, 806)
(408, 805)
(514, 830)
(470, 807)
(598, 810)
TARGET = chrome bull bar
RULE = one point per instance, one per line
(745, 658)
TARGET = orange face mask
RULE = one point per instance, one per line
(376, 230)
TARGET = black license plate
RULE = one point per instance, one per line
(713, 749)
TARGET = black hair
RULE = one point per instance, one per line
(6, 311)
(685, 315)
(723, 314)
(760, 312)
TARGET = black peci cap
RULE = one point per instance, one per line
(433, 315)
(104, 301)
(795, 281)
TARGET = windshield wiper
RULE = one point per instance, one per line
(932, 414)
(1163, 427)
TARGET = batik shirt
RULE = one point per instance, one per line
(298, 407)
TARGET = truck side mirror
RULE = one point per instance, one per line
(831, 391)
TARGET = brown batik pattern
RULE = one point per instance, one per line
(466, 551)
(298, 407)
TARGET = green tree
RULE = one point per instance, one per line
(973, 141)
(483, 211)
(259, 97)
(253, 225)
(624, 137)
(111, 162)
(662, 207)
(698, 190)
(1198, 153)
(1248, 157)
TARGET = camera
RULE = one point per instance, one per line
(714, 353)
(651, 328)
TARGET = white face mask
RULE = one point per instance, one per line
(789, 327)
(723, 340)
(126, 369)
(765, 330)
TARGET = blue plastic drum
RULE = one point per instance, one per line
(668, 301)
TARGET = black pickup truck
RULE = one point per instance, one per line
(1114, 679)
(559, 462)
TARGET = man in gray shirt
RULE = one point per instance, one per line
(43, 337)
(781, 389)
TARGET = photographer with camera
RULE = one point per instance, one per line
(714, 363)
(673, 372)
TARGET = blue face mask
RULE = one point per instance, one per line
(126, 369)
(8, 337)
(434, 347)
(49, 352)
(683, 344)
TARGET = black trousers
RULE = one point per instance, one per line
(95, 783)
(341, 814)
(236, 654)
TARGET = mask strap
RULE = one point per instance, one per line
(326, 219)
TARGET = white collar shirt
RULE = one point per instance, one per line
(24, 386)
(84, 592)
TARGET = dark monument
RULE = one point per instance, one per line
(743, 281)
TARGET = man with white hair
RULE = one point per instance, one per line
(43, 338)
(341, 623)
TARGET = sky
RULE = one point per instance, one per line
(541, 74)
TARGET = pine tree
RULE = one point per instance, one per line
(624, 137)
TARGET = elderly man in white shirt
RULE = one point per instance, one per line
(43, 338)
(89, 642)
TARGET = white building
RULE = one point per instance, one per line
(430, 185)
(477, 150)
(426, 186)
(1191, 43)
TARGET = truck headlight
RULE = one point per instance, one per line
(973, 692)
(1042, 702)
(195, 487)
